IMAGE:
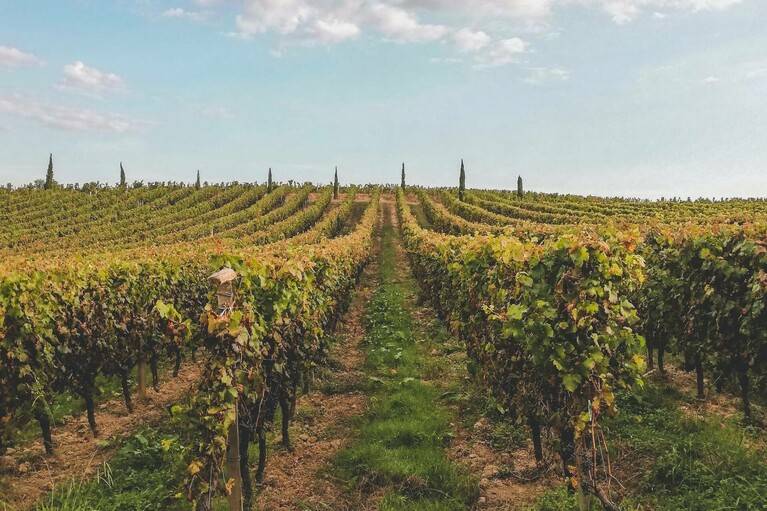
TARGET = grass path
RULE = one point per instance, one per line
(398, 459)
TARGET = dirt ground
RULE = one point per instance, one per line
(300, 479)
(77, 455)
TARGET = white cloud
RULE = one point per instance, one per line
(500, 53)
(400, 25)
(399, 19)
(704, 5)
(539, 75)
(282, 16)
(308, 22)
(625, 11)
(296, 19)
(621, 11)
(532, 10)
(13, 57)
(469, 40)
(180, 13)
(522, 9)
(333, 21)
(66, 118)
(335, 31)
(711, 79)
(83, 78)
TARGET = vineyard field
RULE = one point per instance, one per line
(292, 346)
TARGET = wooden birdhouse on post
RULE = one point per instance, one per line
(224, 279)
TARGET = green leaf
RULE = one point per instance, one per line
(516, 311)
(571, 381)
(524, 279)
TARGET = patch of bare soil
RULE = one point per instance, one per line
(300, 479)
(403, 264)
(716, 404)
(77, 455)
(508, 480)
(722, 404)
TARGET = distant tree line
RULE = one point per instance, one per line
(50, 183)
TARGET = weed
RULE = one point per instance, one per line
(675, 462)
(144, 475)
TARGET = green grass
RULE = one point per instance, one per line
(677, 462)
(144, 475)
(400, 445)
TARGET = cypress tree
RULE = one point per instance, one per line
(49, 175)
(402, 184)
(123, 184)
(462, 183)
(335, 185)
(197, 183)
(269, 181)
(520, 192)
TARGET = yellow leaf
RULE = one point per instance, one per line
(194, 467)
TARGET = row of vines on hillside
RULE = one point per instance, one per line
(704, 297)
(62, 327)
(61, 330)
(548, 327)
(260, 348)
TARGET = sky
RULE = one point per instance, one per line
(639, 98)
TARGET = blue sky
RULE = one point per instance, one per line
(641, 98)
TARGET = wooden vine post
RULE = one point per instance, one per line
(224, 282)
(141, 378)
(233, 465)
